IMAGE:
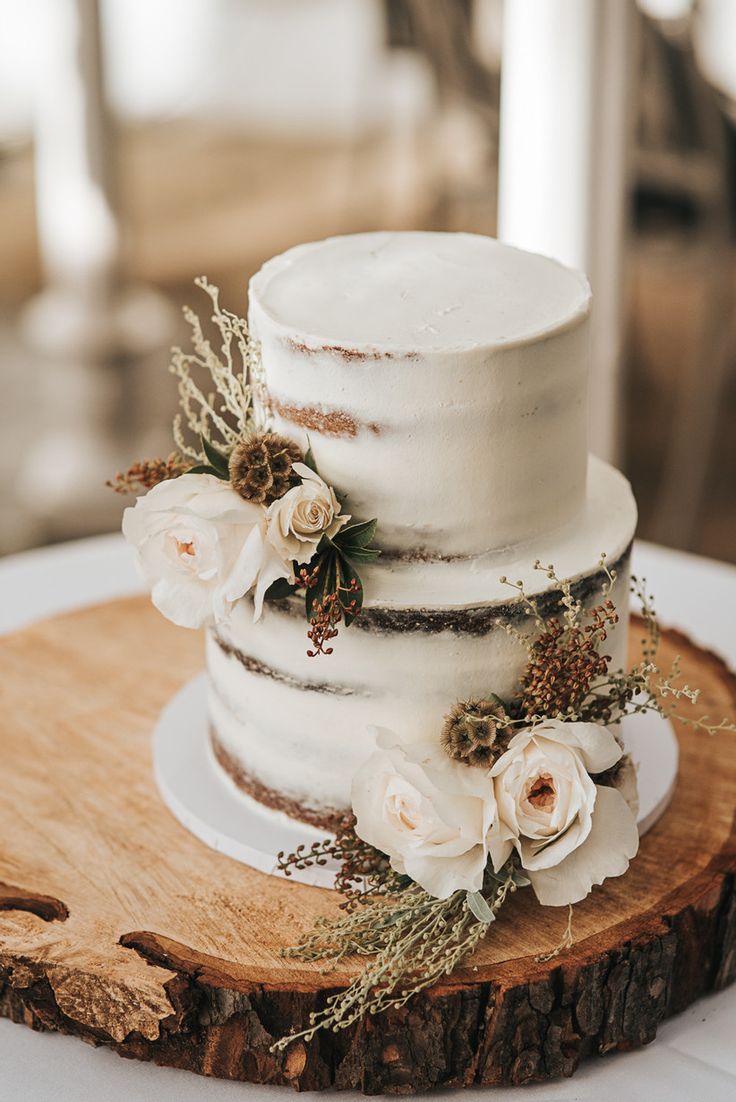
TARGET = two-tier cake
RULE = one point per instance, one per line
(441, 383)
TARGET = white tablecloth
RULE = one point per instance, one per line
(694, 1056)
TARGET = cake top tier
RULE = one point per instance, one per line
(419, 292)
(440, 380)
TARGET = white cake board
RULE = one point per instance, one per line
(207, 803)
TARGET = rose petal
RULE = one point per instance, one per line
(500, 842)
(271, 570)
(610, 845)
(191, 586)
(244, 573)
(431, 815)
(597, 744)
(186, 604)
(368, 787)
(441, 877)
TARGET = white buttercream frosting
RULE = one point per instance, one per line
(441, 379)
(306, 742)
(418, 292)
(306, 729)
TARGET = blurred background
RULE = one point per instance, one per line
(144, 143)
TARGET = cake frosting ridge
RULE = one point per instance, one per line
(441, 382)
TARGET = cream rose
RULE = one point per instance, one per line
(200, 547)
(297, 521)
(432, 816)
(569, 832)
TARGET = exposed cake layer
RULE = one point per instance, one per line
(440, 378)
(299, 727)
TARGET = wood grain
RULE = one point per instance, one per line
(118, 926)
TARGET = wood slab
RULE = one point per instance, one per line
(118, 926)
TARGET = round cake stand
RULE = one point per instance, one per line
(119, 926)
(208, 803)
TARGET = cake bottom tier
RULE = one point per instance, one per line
(291, 730)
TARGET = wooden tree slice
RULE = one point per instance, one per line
(118, 926)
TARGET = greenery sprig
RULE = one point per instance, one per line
(414, 940)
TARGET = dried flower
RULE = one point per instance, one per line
(147, 473)
(564, 664)
(233, 368)
(476, 732)
(261, 467)
(363, 869)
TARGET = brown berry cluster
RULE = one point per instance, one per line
(261, 467)
(358, 861)
(565, 662)
(328, 613)
(363, 870)
(147, 473)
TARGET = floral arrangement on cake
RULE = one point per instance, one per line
(237, 508)
(530, 792)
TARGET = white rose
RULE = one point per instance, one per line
(569, 832)
(297, 521)
(200, 547)
(429, 814)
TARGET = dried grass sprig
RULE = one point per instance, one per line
(226, 414)
(413, 938)
(565, 942)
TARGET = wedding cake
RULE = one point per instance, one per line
(414, 583)
(440, 381)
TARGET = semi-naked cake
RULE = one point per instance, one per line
(441, 381)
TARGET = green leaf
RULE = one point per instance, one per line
(217, 459)
(480, 908)
(309, 458)
(357, 535)
(360, 554)
(495, 699)
(204, 468)
(280, 589)
(353, 541)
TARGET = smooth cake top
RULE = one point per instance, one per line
(417, 291)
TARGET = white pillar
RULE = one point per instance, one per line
(567, 67)
(88, 323)
(86, 307)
